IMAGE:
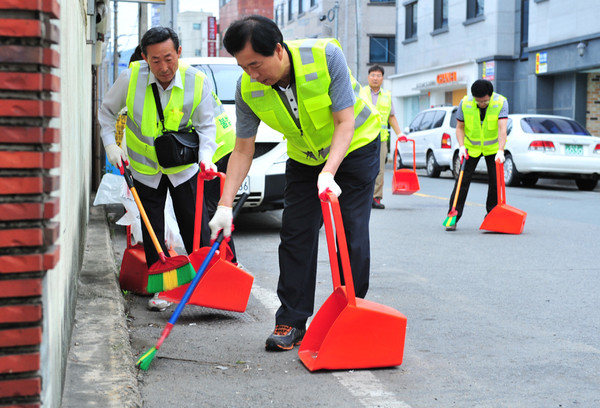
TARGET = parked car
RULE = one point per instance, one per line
(434, 133)
(546, 146)
(266, 179)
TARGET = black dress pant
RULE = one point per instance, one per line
(302, 218)
(492, 194)
(184, 206)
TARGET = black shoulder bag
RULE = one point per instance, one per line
(174, 148)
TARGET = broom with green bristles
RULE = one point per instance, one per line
(146, 358)
(450, 220)
(169, 272)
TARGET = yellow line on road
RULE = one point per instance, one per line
(446, 199)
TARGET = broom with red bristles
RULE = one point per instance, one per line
(146, 359)
(168, 272)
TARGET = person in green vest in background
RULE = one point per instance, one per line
(480, 131)
(303, 89)
(382, 100)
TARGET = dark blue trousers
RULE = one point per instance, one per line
(302, 218)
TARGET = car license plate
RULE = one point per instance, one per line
(245, 187)
(574, 150)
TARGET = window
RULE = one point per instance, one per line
(524, 28)
(383, 1)
(198, 53)
(313, 3)
(290, 14)
(300, 7)
(411, 21)
(427, 120)
(438, 120)
(414, 125)
(440, 14)
(382, 49)
(197, 26)
(474, 8)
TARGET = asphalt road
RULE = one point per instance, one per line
(494, 320)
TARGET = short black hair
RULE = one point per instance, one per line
(481, 88)
(377, 68)
(137, 55)
(157, 35)
(262, 32)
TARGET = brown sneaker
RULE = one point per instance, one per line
(284, 338)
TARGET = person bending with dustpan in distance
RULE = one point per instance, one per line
(303, 89)
(480, 130)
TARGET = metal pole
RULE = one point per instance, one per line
(358, 31)
(115, 45)
(143, 20)
(337, 10)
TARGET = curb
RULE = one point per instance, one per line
(100, 365)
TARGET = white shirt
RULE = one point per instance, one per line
(203, 121)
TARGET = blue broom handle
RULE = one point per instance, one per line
(202, 269)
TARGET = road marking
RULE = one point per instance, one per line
(467, 203)
(362, 384)
(368, 389)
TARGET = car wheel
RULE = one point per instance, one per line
(511, 175)
(529, 181)
(432, 168)
(586, 184)
(456, 169)
(399, 164)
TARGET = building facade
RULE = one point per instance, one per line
(366, 29)
(231, 10)
(193, 29)
(543, 55)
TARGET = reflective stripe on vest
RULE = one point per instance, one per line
(143, 125)
(482, 137)
(383, 106)
(310, 144)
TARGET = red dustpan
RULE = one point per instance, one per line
(349, 332)
(405, 181)
(133, 275)
(223, 286)
(503, 218)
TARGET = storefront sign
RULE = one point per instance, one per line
(541, 62)
(489, 70)
(212, 28)
(427, 84)
(446, 77)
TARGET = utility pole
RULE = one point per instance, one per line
(115, 44)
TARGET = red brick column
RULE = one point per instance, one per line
(28, 153)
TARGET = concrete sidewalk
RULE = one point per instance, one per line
(100, 366)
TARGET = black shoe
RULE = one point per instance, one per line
(377, 204)
(284, 338)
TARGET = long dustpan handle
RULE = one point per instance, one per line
(202, 177)
(500, 183)
(202, 269)
(331, 208)
(125, 172)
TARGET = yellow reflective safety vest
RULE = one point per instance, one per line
(310, 143)
(143, 125)
(482, 137)
(383, 106)
(225, 137)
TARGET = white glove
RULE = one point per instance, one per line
(326, 182)
(206, 165)
(115, 154)
(462, 152)
(499, 156)
(222, 220)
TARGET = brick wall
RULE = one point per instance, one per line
(592, 117)
(236, 9)
(28, 155)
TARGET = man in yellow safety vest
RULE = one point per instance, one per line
(304, 90)
(480, 131)
(382, 100)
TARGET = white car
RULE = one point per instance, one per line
(547, 146)
(266, 179)
(434, 133)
